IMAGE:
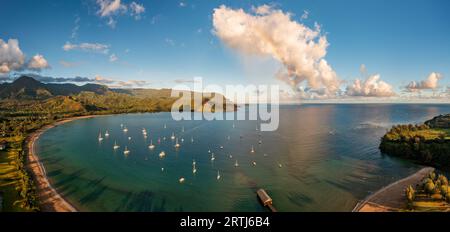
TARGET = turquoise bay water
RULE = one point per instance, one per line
(328, 154)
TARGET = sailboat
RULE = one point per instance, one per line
(194, 168)
(236, 164)
(151, 146)
(115, 147)
(121, 125)
(106, 133)
(100, 138)
(181, 180)
(126, 151)
(231, 156)
(173, 136)
(182, 140)
(218, 175)
(144, 131)
(162, 154)
(213, 157)
(194, 163)
(221, 147)
(129, 138)
(165, 126)
(253, 150)
(254, 163)
(125, 130)
(177, 145)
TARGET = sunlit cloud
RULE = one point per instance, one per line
(271, 32)
(430, 83)
(87, 47)
(13, 59)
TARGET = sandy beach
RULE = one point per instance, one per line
(50, 199)
(391, 198)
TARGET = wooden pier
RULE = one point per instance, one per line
(265, 199)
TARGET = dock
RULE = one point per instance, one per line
(266, 200)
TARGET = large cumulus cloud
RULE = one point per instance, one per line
(271, 32)
(430, 83)
(373, 86)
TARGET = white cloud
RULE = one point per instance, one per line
(110, 7)
(371, 87)
(431, 83)
(87, 47)
(38, 62)
(271, 32)
(169, 41)
(305, 15)
(103, 80)
(137, 10)
(11, 57)
(76, 27)
(113, 58)
(130, 84)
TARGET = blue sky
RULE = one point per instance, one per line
(400, 40)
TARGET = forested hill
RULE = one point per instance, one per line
(27, 96)
(28, 88)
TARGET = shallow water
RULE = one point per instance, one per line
(329, 156)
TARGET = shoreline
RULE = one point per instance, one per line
(391, 198)
(50, 200)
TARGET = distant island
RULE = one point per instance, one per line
(427, 144)
(27, 105)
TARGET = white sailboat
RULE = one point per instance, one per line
(126, 151)
(213, 157)
(100, 138)
(144, 131)
(151, 146)
(115, 147)
(106, 133)
(177, 145)
(125, 130)
(181, 180)
(173, 136)
(254, 163)
(165, 126)
(129, 138)
(182, 140)
(218, 175)
(253, 150)
(236, 164)
(194, 169)
(162, 154)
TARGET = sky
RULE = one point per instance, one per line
(316, 49)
